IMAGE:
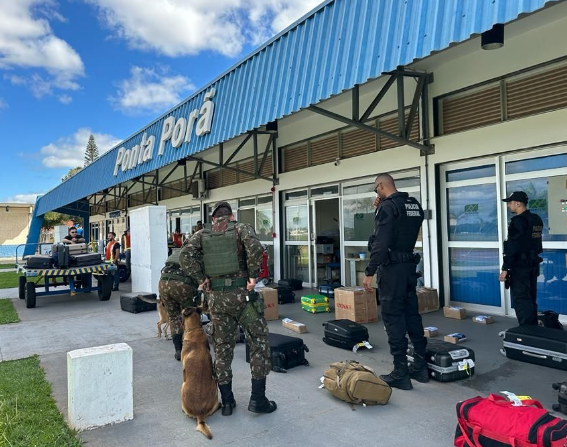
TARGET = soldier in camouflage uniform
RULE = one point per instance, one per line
(177, 291)
(225, 259)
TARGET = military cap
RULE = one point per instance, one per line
(221, 205)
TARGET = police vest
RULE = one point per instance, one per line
(530, 240)
(409, 217)
(220, 251)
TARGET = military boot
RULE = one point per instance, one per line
(418, 370)
(399, 377)
(258, 400)
(228, 402)
(178, 344)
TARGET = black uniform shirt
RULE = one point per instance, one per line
(521, 237)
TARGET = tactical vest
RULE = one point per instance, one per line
(173, 259)
(220, 251)
(530, 241)
(409, 217)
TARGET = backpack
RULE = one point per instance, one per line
(494, 421)
(356, 384)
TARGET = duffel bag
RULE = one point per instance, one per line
(496, 422)
(356, 384)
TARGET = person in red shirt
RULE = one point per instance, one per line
(177, 238)
(112, 255)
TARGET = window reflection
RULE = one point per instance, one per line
(473, 213)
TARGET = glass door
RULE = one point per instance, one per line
(297, 256)
(325, 240)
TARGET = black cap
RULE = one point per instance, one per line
(517, 196)
(221, 205)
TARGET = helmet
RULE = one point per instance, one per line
(221, 205)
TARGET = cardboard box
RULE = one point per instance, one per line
(455, 338)
(360, 278)
(430, 331)
(458, 313)
(483, 319)
(271, 310)
(427, 299)
(355, 304)
(300, 328)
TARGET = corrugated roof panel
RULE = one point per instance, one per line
(338, 45)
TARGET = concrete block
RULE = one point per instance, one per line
(100, 386)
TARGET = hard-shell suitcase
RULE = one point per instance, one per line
(561, 404)
(285, 295)
(38, 262)
(130, 302)
(78, 249)
(538, 345)
(295, 284)
(315, 303)
(329, 289)
(86, 259)
(344, 333)
(447, 362)
(63, 258)
(286, 352)
(550, 319)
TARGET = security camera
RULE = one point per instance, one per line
(337, 161)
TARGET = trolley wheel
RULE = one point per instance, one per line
(30, 295)
(22, 287)
(124, 273)
(104, 287)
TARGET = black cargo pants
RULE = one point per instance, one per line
(523, 289)
(398, 302)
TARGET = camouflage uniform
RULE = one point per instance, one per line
(227, 302)
(176, 295)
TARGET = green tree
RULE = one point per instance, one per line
(52, 219)
(91, 152)
(71, 173)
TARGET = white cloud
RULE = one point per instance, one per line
(3, 104)
(69, 151)
(150, 90)
(27, 41)
(181, 27)
(23, 198)
(65, 99)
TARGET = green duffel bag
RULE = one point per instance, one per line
(356, 384)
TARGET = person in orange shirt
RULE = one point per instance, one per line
(126, 249)
(177, 238)
(112, 255)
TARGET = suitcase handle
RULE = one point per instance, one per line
(531, 354)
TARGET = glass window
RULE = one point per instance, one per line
(248, 217)
(264, 224)
(536, 164)
(410, 182)
(471, 173)
(474, 276)
(297, 262)
(358, 218)
(247, 202)
(296, 195)
(265, 199)
(472, 213)
(296, 223)
(359, 189)
(325, 191)
(552, 281)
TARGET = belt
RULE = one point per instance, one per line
(174, 277)
(227, 283)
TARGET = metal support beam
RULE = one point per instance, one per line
(356, 103)
(236, 151)
(255, 144)
(378, 98)
(414, 106)
(163, 180)
(425, 132)
(221, 153)
(274, 161)
(401, 106)
(192, 176)
(230, 168)
(261, 168)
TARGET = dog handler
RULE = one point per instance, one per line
(225, 259)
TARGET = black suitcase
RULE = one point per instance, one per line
(63, 259)
(286, 352)
(38, 262)
(130, 302)
(550, 319)
(86, 259)
(329, 289)
(344, 333)
(295, 284)
(447, 362)
(538, 345)
(285, 295)
(561, 404)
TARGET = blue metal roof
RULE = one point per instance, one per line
(336, 46)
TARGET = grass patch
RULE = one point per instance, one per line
(7, 312)
(7, 266)
(8, 280)
(28, 414)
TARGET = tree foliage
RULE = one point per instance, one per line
(71, 173)
(91, 152)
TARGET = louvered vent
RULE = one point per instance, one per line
(214, 179)
(247, 166)
(358, 142)
(390, 124)
(540, 92)
(295, 158)
(228, 177)
(472, 110)
(139, 198)
(324, 150)
(167, 193)
(267, 169)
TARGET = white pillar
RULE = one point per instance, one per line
(148, 230)
(99, 386)
(60, 231)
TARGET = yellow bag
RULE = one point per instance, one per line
(356, 384)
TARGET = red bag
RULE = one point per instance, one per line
(495, 422)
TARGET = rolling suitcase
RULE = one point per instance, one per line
(285, 295)
(86, 259)
(538, 345)
(129, 302)
(550, 319)
(315, 303)
(295, 284)
(447, 362)
(329, 289)
(344, 333)
(286, 352)
(78, 249)
(38, 262)
(62, 260)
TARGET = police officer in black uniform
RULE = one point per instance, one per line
(521, 258)
(396, 228)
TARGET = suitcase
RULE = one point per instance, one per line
(447, 362)
(286, 352)
(315, 303)
(86, 259)
(78, 249)
(62, 260)
(537, 345)
(38, 262)
(295, 284)
(344, 333)
(285, 295)
(130, 302)
(561, 404)
(550, 319)
(329, 289)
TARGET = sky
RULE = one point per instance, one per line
(72, 68)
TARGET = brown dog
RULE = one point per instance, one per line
(199, 395)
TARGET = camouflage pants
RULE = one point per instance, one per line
(176, 296)
(226, 310)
